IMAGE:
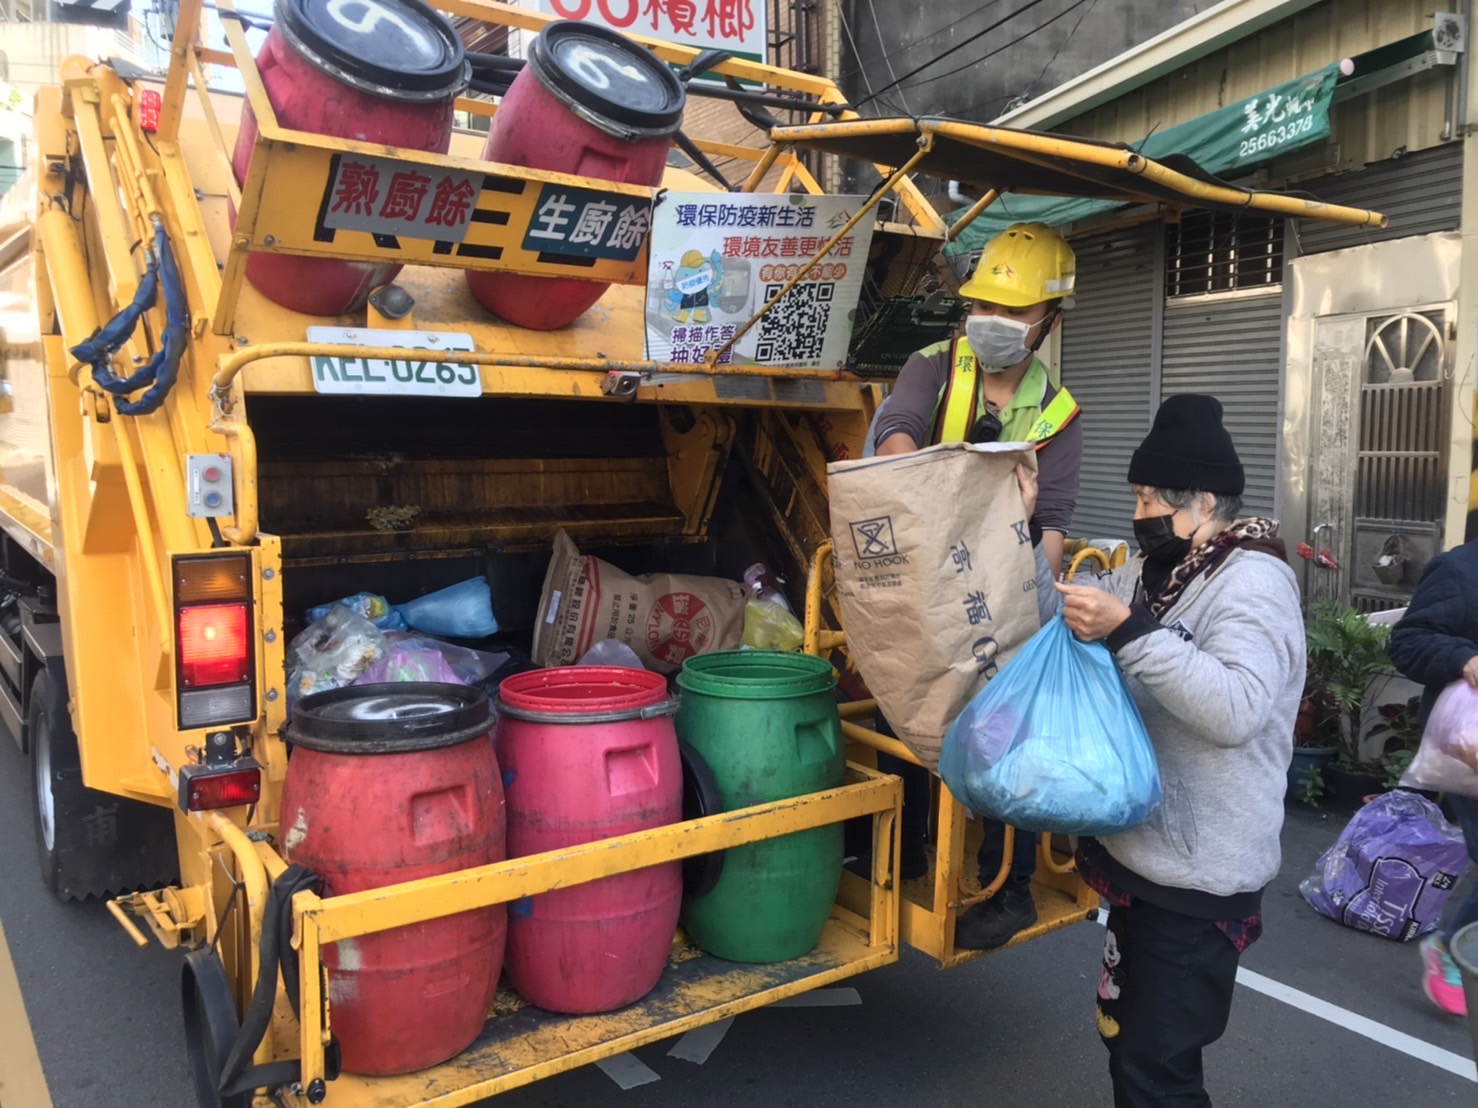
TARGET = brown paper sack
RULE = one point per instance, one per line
(666, 618)
(935, 575)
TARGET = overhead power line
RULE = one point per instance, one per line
(1007, 46)
(1028, 6)
(1063, 45)
(952, 25)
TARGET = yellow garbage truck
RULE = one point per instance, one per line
(260, 353)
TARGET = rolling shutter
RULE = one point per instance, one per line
(1231, 347)
(1107, 350)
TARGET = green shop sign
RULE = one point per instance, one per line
(1238, 136)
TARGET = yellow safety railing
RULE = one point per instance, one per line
(934, 933)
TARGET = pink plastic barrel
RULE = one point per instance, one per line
(381, 71)
(392, 783)
(589, 102)
(589, 752)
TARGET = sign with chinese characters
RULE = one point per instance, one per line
(387, 197)
(442, 211)
(737, 26)
(579, 223)
(1289, 116)
(718, 258)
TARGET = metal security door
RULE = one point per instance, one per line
(1378, 452)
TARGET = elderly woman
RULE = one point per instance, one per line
(1207, 628)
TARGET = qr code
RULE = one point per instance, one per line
(794, 330)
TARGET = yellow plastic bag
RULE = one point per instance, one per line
(768, 626)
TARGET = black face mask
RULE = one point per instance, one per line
(1158, 541)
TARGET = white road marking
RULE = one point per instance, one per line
(1409, 1045)
(628, 1071)
(695, 1046)
(21, 1079)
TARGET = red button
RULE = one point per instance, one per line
(211, 473)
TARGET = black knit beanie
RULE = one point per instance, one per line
(1188, 449)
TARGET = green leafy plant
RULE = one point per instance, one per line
(1311, 788)
(1396, 765)
(1346, 653)
(1401, 736)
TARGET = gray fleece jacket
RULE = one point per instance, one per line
(1219, 686)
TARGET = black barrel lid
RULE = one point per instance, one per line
(400, 49)
(389, 719)
(623, 88)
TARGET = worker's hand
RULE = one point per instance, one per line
(1027, 480)
(1470, 671)
(1091, 614)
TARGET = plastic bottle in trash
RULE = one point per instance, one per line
(764, 585)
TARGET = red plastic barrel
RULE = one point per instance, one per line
(589, 102)
(381, 71)
(589, 752)
(392, 783)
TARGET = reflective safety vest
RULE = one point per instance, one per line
(960, 404)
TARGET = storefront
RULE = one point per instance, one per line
(1336, 352)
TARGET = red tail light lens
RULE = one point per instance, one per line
(150, 105)
(214, 645)
(203, 791)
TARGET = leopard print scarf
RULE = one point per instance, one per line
(1262, 533)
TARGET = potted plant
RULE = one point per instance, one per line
(1346, 653)
(1315, 741)
(1402, 737)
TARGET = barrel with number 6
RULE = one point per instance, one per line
(595, 104)
(379, 71)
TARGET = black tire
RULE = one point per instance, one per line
(701, 797)
(210, 1026)
(88, 843)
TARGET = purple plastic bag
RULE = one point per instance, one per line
(1390, 870)
(407, 658)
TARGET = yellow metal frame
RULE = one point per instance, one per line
(273, 217)
(120, 506)
(856, 939)
(1038, 149)
(931, 906)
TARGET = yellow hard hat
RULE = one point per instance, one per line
(1026, 264)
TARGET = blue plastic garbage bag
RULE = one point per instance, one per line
(461, 611)
(371, 606)
(1055, 743)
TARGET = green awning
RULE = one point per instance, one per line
(1240, 135)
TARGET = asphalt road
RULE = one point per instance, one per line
(1012, 1030)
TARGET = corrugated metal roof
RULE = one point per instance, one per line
(1369, 128)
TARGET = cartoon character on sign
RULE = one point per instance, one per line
(1110, 977)
(696, 279)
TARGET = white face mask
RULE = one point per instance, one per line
(998, 342)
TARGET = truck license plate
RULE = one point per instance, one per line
(417, 374)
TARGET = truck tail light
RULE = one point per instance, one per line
(213, 645)
(206, 788)
(215, 649)
(150, 105)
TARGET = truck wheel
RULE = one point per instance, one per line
(88, 843)
(210, 1027)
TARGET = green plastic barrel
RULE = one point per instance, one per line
(766, 723)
